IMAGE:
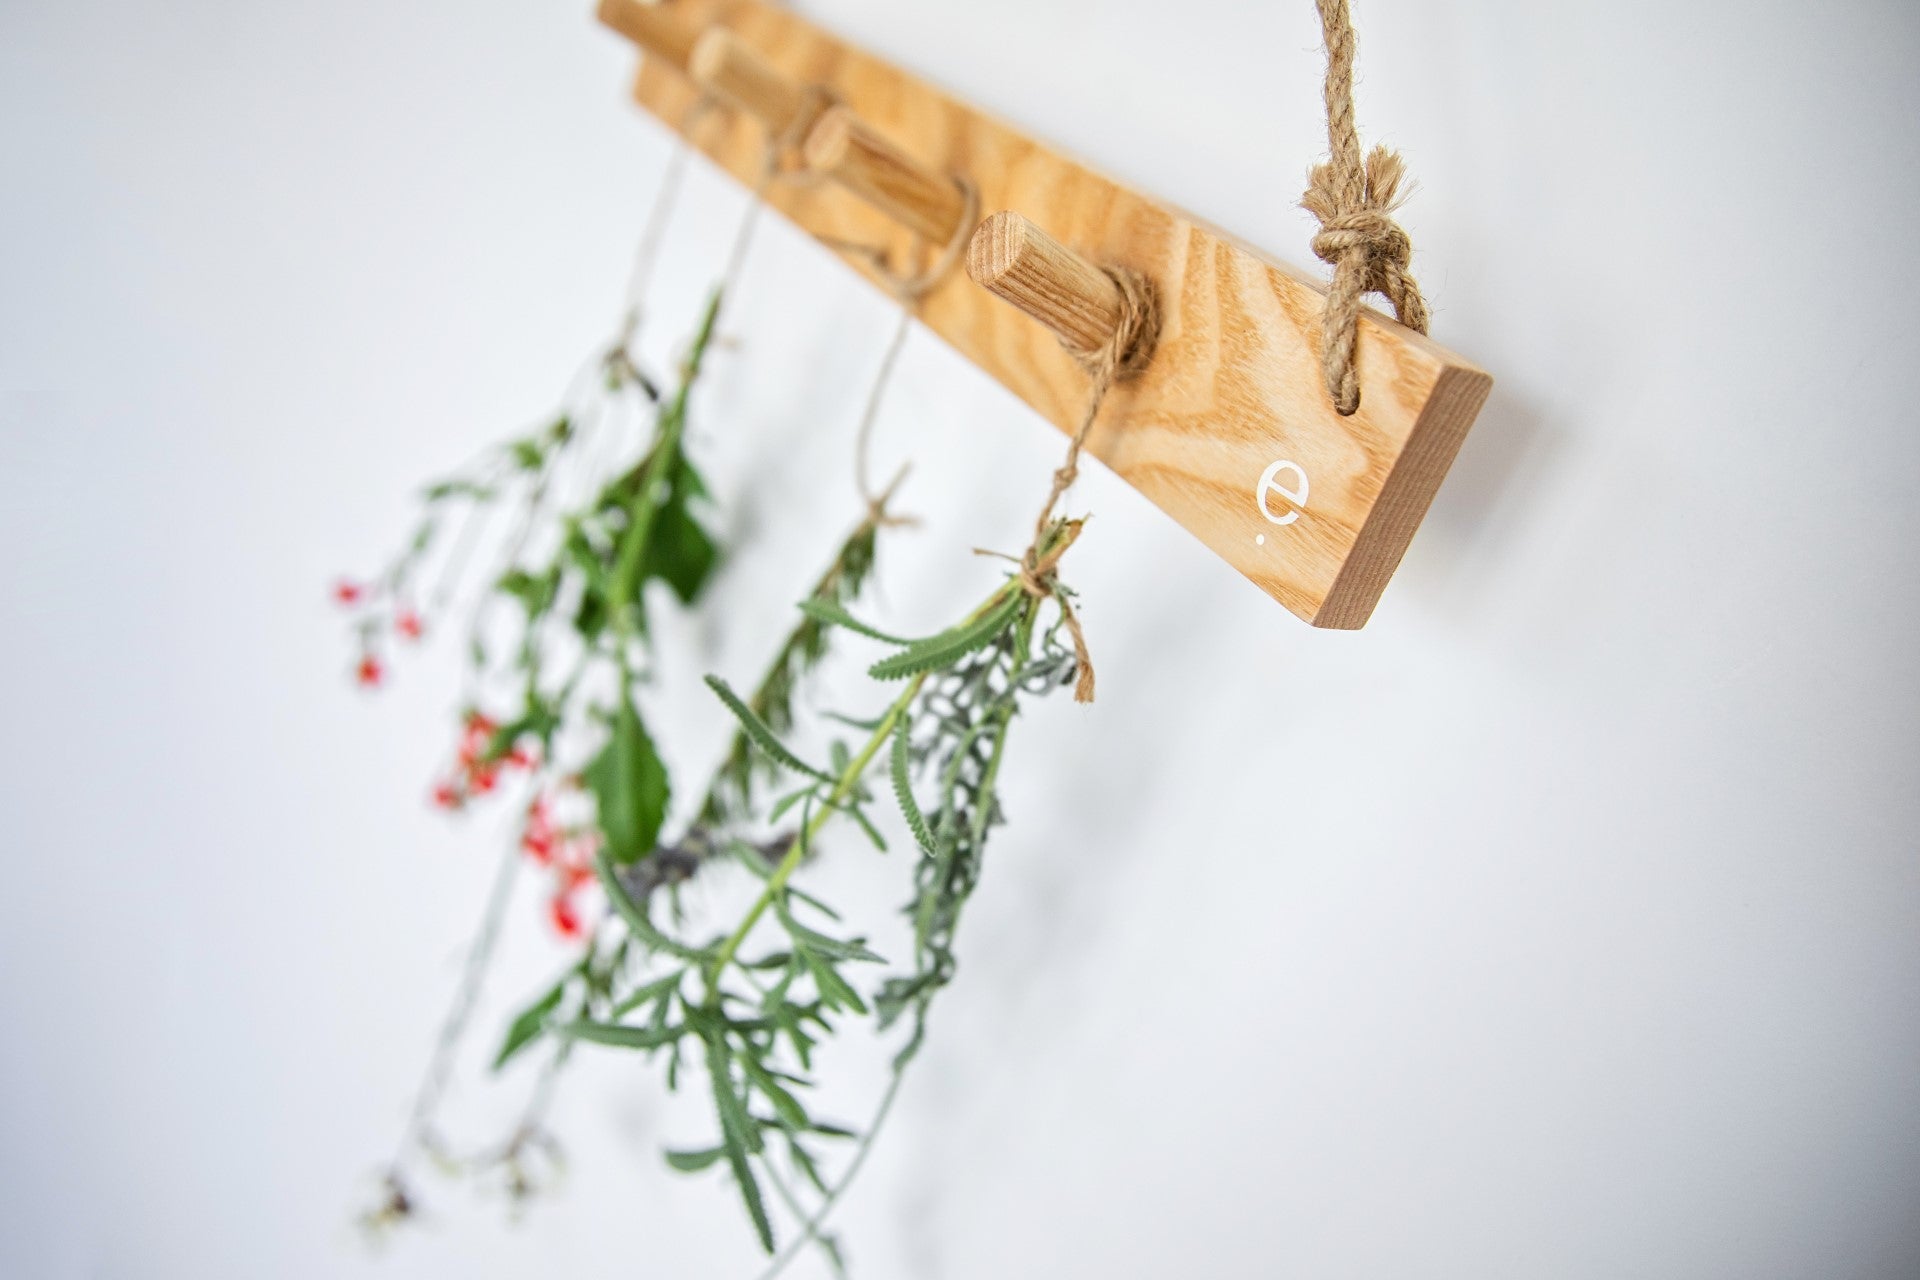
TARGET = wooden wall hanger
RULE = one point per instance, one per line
(1227, 426)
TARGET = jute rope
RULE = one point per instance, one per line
(1124, 354)
(1358, 238)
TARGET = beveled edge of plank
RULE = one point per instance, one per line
(1409, 491)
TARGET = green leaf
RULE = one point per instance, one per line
(936, 653)
(787, 802)
(833, 615)
(532, 1020)
(803, 1161)
(739, 1136)
(635, 915)
(903, 789)
(534, 591)
(620, 1037)
(681, 554)
(655, 990)
(629, 785)
(679, 551)
(762, 736)
(695, 1161)
(785, 1105)
(528, 455)
(834, 989)
(859, 815)
(832, 948)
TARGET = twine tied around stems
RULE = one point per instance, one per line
(1124, 354)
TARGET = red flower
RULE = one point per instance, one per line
(538, 845)
(369, 673)
(480, 726)
(408, 625)
(565, 918)
(482, 780)
(347, 593)
(538, 837)
(523, 757)
(573, 875)
(446, 796)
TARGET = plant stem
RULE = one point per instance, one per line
(646, 504)
(453, 1030)
(842, 788)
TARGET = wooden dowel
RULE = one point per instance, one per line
(1019, 262)
(732, 69)
(652, 26)
(923, 199)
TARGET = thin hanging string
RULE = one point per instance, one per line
(651, 237)
(908, 291)
(1358, 237)
(653, 231)
(876, 500)
(778, 158)
(1124, 353)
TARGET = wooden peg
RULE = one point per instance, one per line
(923, 199)
(732, 69)
(654, 27)
(1019, 262)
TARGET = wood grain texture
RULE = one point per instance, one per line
(733, 71)
(1234, 388)
(1015, 260)
(861, 159)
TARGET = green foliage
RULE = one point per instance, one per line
(761, 734)
(532, 1020)
(939, 652)
(762, 1010)
(629, 785)
(771, 701)
(586, 521)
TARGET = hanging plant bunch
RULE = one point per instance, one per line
(590, 984)
(599, 505)
(744, 1011)
(572, 588)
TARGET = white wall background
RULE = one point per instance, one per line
(1562, 923)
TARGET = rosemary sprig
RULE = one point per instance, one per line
(755, 1017)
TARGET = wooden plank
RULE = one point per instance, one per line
(1229, 428)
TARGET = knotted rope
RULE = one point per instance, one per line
(1358, 237)
(1125, 353)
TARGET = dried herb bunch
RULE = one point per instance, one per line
(603, 504)
(745, 1009)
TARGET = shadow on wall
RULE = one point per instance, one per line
(1492, 494)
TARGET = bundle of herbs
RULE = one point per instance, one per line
(603, 504)
(743, 1011)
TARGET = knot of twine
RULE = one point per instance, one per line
(1039, 579)
(1124, 354)
(1354, 202)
